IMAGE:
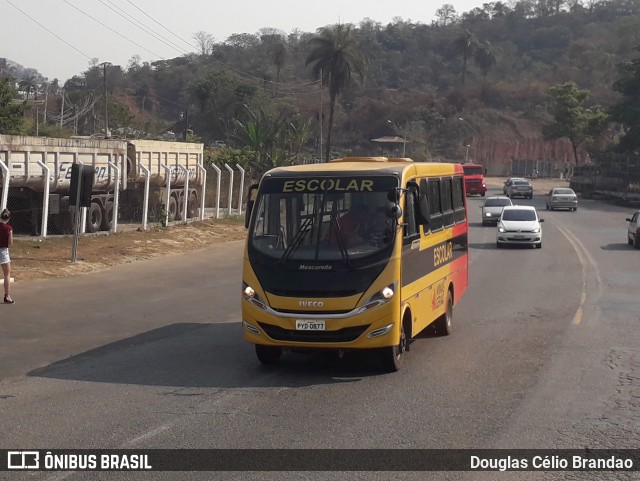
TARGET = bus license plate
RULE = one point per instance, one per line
(309, 325)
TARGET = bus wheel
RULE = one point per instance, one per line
(443, 323)
(392, 356)
(268, 354)
(94, 217)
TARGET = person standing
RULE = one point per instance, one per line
(6, 240)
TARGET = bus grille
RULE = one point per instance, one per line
(346, 334)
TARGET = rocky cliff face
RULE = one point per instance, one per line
(497, 154)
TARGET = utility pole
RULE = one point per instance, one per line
(62, 109)
(186, 123)
(106, 109)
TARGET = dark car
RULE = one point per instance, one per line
(520, 188)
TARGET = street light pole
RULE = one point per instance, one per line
(466, 155)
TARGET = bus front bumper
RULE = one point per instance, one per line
(370, 329)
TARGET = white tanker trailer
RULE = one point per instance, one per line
(119, 164)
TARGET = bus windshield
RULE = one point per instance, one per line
(325, 219)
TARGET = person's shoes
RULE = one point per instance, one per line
(8, 301)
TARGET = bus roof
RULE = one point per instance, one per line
(369, 166)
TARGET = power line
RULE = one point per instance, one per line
(136, 23)
(114, 31)
(52, 33)
(158, 23)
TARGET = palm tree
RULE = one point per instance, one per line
(279, 57)
(28, 84)
(466, 45)
(485, 58)
(335, 56)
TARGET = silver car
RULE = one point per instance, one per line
(562, 198)
(520, 188)
(519, 224)
(492, 208)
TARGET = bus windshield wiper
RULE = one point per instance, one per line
(341, 244)
(297, 239)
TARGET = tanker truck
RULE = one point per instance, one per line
(119, 164)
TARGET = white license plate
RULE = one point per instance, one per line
(309, 325)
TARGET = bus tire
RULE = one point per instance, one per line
(443, 323)
(268, 354)
(392, 356)
(94, 217)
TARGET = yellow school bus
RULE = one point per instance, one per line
(357, 253)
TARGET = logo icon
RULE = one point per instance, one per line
(23, 460)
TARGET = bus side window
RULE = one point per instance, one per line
(435, 207)
(410, 226)
(447, 202)
(459, 212)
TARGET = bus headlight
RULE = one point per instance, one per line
(501, 229)
(381, 297)
(250, 295)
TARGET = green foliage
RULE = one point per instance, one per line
(11, 111)
(273, 139)
(571, 119)
(627, 110)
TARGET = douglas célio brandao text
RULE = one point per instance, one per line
(550, 462)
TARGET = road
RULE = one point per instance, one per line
(150, 355)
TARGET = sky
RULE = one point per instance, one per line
(60, 37)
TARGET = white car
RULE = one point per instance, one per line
(633, 231)
(519, 225)
(492, 208)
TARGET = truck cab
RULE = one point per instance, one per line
(474, 182)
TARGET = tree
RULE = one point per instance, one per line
(485, 58)
(279, 53)
(28, 84)
(627, 111)
(11, 111)
(571, 119)
(206, 43)
(273, 139)
(335, 57)
(466, 45)
(446, 15)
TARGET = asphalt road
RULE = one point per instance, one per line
(150, 355)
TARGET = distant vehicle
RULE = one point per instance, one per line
(492, 208)
(508, 182)
(633, 231)
(520, 188)
(562, 198)
(166, 190)
(474, 182)
(519, 224)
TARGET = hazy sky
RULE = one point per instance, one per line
(59, 37)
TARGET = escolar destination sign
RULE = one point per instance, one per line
(318, 185)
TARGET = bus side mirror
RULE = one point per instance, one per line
(251, 199)
(393, 211)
